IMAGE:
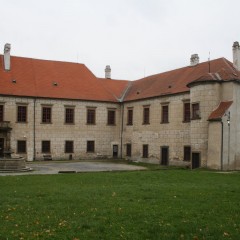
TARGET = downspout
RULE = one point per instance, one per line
(222, 147)
(121, 133)
(34, 129)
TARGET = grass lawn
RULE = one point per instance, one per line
(160, 204)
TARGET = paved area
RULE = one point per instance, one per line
(74, 167)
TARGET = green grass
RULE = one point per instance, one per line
(163, 204)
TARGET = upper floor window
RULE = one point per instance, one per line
(195, 111)
(111, 117)
(165, 114)
(90, 146)
(69, 115)
(130, 116)
(46, 147)
(21, 113)
(69, 147)
(186, 112)
(46, 114)
(146, 115)
(91, 116)
(1, 113)
(145, 151)
(21, 146)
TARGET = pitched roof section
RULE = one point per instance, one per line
(218, 113)
(51, 79)
(174, 81)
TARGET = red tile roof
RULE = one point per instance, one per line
(174, 81)
(218, 113)
(65, 80)
(37, 77)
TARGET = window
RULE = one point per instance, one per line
(69, 115)
(187, 112)
(195, 111)
(1, 113)
(129, 150)
(21, 113)
(165, 114)
(91, 116)
(187, 153)
(111, 117)
(130, 117)
(69, 147)
(21, 146)
(145, 151)
(46, 147)
(90, 146)
(46, 115)
(146, 113)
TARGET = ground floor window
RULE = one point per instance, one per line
(21, 146)
(187, 153)
(90, 146)
(46, 147)
(69, 147)
(129, 150)
(145, 150)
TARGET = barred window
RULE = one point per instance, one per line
(46, 147)
(21, 146)
(145, 151)
(1, 113)
(46, 114)
(68, 146)
(130, 117)
(187, 112)
(69, 115)
(90, 146)
(146, 114)
(21, 113)
(111, 117)
(91, 116)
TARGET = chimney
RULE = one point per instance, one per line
(236, 55)
(194, 60)
(7, 48)
(108, 72)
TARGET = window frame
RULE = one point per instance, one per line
(1, 112)
(47, 116)
(90, 146)
(146, 115)
(46, 148)
(187, 156)
(128, 150)
(69, 115)
(69, 148)
(21, 149)
(195, 115)
(145, 151)
(165, 113)
(91, 116)
(111, 117)
(186, 112)
(130, 116)
(22, 113)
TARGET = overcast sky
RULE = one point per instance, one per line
(136, 38)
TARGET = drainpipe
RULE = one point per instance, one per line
(121, 133)
(34, 129)
(222, 147)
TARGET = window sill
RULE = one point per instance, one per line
(46, 122)
(69, 123)
(129, 124)
(22, 122)
(146, 124)
(184, 121)
(90, 123)
(164, 122)
(197, 118)
(111, 125)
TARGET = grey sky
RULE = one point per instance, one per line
(135, 37)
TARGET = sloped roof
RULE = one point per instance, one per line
(218, 113)
(51, 79)
(174, 81)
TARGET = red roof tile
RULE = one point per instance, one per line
(51, 79)
(218, 113)
(174, 81)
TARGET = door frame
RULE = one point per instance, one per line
(199, 164)
(161, 157)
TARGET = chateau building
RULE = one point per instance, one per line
(61, 110)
